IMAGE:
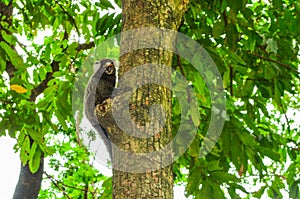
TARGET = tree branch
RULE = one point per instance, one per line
(55, 67)
(43, 85)
(276, 62)
(57, 185)
(70, 16)
(85, 46)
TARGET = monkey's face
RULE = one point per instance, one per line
(109, 68)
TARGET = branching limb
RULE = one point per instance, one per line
(276, 62)
(43, 85)
(57, 185)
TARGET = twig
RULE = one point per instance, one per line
(68, 14)
(86, 191)
(225, 17)
(180, 66)
(57, 185)
(231, 80)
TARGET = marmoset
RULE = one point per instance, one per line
(107, 81)
(100, 88)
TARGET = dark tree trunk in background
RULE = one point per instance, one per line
(29, 184)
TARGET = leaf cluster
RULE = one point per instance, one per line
(255, 45)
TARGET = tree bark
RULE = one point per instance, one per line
(133, 176)
(29, 183)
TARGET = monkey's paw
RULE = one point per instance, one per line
(101, 109)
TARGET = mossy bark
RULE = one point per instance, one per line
(157, 183)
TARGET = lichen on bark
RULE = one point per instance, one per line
(142, 136)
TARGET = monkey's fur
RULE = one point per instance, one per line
(100, 88)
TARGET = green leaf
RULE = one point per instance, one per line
(22, 136)
(194, 148)
(25, 149)
(6, 2)
(47, 150)
(68, 27)
(60, 116)
(253, 157)
(104, 23)
(34, 162)
(232, 37)
(56, 23)
(235, 5)
(260, 192)
(210, 190)
(119, 3)
(9, 38)
(105, 4)
(224, 177)
(56, 50)
(218, 28)
(272, 46)
(194, 180)
(213, 165)
(3, 126)
(36, 135)
(236, 152)
(247, 138)
(32, 150)
(278, 4)
(226, 139)
(234, 57)
(195, 114)
(107, 185)
(72, 49)
(270, 153)
(101, 21)
(13, 55)
(294, 190)
(2, 63)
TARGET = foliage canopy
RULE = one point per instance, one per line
(255, 45)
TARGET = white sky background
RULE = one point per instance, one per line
(9, 167)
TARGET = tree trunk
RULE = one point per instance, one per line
(29, 184)
(133, 176)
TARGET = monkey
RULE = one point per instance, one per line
(100, 87)
(106, 82)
